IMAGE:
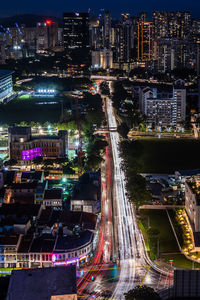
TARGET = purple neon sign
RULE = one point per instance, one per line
(32, 153)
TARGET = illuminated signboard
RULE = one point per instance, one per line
(32, 153)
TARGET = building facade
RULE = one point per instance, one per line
(23, 147)
(144, 41)
(164, 108)
(192, 203)
(6, 84)
(76, 36)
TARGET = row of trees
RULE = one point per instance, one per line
(135, 183)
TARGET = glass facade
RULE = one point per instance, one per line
(6, 86)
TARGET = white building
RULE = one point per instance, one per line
(164, 108)
(192, 203)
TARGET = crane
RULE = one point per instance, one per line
(6, 30)
(18, 28)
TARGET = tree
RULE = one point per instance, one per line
(10, 163)
(48, 162)
(93, 162)
(123, 129)
(142, 293)
(38, 160)
(153, 232)
(104, 88)
(61, 161)
(137, 192)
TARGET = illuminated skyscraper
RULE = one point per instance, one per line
(76, 35)
(107, 29)
(144, 41)
(171, 24)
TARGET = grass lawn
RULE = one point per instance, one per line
(158, 220)
(179, 260)
(168, 246)
(25, 96)
(163, 155)
(23, 109)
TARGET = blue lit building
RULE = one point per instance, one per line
(6, 84)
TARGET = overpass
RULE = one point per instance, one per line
(105, 130)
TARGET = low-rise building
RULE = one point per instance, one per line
(9, 244)
(87, 193)
(40, 191)
(23, 147)
(18, 218)
(54, 198)
(22, 192)
(44, 283)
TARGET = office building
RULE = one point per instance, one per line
(107, 29)
(46, 36)
(144, 41)
(164, 108)
(96, 34)
(102, 59)
(23, 147)
(76, 37)
(6, 84)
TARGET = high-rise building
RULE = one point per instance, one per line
(107, 29)
(76, 36)
(143, 16)
(144, 41)
(46, 35)
(102, 59)
(164, 108)
(173, 53)
(6, 84)
(171, 24)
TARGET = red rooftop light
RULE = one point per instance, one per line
(48, 22)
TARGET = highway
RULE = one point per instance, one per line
(132, 255)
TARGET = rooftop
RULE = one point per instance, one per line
(43, 243)
(42, 283)
(86, 191)
(189, 172)
(195, 188)
(36, 175)
(24, 185)
(4, 73)
(65, 243)
(25, 243)
(9, 239)
(53, 194)
(18, 130)
(18, 209)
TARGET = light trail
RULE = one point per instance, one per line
(131, 247)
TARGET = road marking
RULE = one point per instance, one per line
(145, 276)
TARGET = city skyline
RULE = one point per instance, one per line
(48, 8)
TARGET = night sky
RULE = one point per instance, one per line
(52, 7)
